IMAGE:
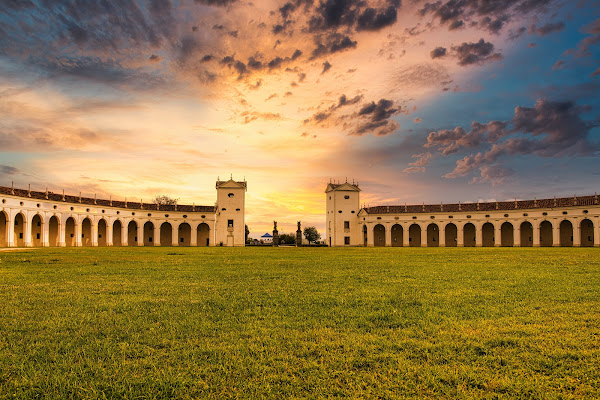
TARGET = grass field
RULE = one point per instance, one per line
(280, 323)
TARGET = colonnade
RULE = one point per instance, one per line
(577, 232)
(36, 230)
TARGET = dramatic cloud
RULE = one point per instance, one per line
(343, 101)
(332, 43)
(475, 53)
(546, 29)
(549, 129)
(375, 118)
(438, 52)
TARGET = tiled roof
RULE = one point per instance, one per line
(101, 202)
(490, 206)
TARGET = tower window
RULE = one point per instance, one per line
(230, 195)
(230, 223)
(346, 197)
(346, 224)
(346, 240)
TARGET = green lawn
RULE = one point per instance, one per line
(280, 323)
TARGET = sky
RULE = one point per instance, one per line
(417, 101)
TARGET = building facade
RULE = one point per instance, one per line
(572, 221)
(30, 218)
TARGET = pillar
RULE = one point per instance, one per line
(156, 238)
(597, 232)
(175, 235)
(536, 233)
(140, 233)
(194, 235)
(478, 235)
(460, 235)
(517, 235)
(78, 232)
(424, 236)
(388, 235)
(442, 236)
(10, 235)
(498, 234)
(405, 235)
(556, 233)
(27, 232)
(61, 232)
(94, 233)
(125, 233)
(46, 233)
(109, 232)
(370, 236)
(576, 233)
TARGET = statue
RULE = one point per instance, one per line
(299, 235)
(275, 234)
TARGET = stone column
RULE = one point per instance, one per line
(388, 235)
(10, 229)
(175, 236)
(442, 236)
(597, 233)
(27, 232)
(406, 235)
(478, 235)
(124, 233)
(94, 233)
(423, 236)
(193, 235)
(156, 235)
(498, 235)
(536, 233)
(576, 233)
(78, 232)
(140, 233)
(46, 233)
(517, 236)
(370, 236)
(460, 235)
(110, 226)
(555, 233)
(62, 225)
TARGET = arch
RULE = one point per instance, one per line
(166, 234)
(117, 233)
(451, 232)
(397, 235)
(19, 230)
(3, 229)
(86, 232)
(586, 229)
(487, 234)
(566, 233)
(132, 233)
(379, 235)
(546, 234)
(507, 235)
(364, 235)
(469, 235)
(70, 232)
(184, 234)
(433, 235)
(53, 231)
(526, 234)
(414, 235)
(148, 232)
(102, 232)
(36, 230)
(203, 235)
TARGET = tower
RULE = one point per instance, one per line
(342, 227)
(230, 224)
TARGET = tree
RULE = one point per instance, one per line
(311, 234)
(164, 200)
(287, 238)
(247, 231)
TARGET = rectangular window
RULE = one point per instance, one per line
(346, 224)
(20, 236)
(180, 240)
(150, 240)
(230, 223)
(346, 240)
(37, 236)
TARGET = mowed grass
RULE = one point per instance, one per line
(289, 323)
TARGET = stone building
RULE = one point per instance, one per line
(30, 218)
(570, 221)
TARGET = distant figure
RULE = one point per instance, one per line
(275, 234)
(299, 235)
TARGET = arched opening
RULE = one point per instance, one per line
(203, 235)
(117, 233)
(184, 234)
(433, 235)
(397, 235)
(451, 235)
(364, 236)
(86, 232)
(70, 232)
(166, 234)
(19, 230)
(487, 234)
(102, 233)
(587, 233)
(469, 235)
(414, 235)
(566, 233)
(149, 234)
(379, 235)
(526, 234)
(36, 230)
(53, 231)
(546, 234)
(132, 233)
(3, 229)
(507, 237)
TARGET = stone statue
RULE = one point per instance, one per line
(275, 234)
(299, 235)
